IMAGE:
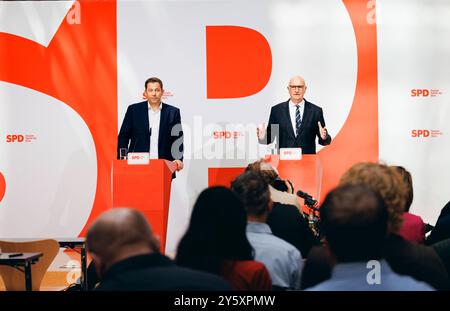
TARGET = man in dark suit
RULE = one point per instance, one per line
(296, 122)
(153, 126)
(126, 257)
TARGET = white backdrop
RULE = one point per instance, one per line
(413, 50)
(167, 39)
(52, 181)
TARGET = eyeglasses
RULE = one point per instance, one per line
(296, 87)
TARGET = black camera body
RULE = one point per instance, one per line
(280, 185)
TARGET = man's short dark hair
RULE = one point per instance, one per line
(354, 222)
(253, 191)
(154, 80)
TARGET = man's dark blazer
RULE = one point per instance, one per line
(135, 134)
(309, 129)
(157, 272)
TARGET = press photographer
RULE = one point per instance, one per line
(286, 219)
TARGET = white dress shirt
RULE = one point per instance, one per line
(292, 109)
(154, 118)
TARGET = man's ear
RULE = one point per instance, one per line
(144, 95)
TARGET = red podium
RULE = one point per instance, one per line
(147, 189)
(305, 174)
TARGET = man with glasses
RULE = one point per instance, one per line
(296, 122)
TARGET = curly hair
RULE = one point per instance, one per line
(387, 182)
(407, 179)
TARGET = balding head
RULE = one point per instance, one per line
(295, 80)
(118, 234)
(297, 89)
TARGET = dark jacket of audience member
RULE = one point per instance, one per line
(419, 261)
(442, 248)
(216, 242)
(126, 257)
(288, 224)
(156, 272)
(441, 230)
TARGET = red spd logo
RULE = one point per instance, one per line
(19, 138)
(137, 157)
(426, 133)
(15, 138)
(425, 92)
(420, 92)
(226, 134)
(420, 133)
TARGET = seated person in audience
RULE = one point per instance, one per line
(405, 258)
(442, 248)
(215, 241)
(354, 223)
(413, 227)
(441, 230)
(285, 219)
(126, 257)
(281, 258)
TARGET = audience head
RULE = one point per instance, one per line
(354, 222)
(216, 232)
(254, 193)
(266, 170)
(118, 234)
(407, 180)
(385, 181)
(270, 175)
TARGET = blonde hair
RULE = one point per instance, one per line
(387, 182)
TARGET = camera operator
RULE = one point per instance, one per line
(286, 219)
(281, 191)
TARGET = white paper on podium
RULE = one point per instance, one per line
(290, 153)
(138, 158)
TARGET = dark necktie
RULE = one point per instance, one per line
(298, 119)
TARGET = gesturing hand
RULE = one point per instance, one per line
(322, 131)
(261, 132)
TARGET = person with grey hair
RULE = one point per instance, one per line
(126, 256)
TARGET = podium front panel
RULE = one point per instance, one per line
(145, 188)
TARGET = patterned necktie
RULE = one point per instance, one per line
(298, 119)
